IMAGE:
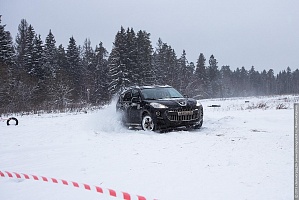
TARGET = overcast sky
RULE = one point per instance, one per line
(259, 33)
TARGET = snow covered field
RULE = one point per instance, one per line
(243, 151)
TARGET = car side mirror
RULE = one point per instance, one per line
(136, 100)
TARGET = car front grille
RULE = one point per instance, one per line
(183, 114)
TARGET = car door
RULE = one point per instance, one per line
(135, 108)
(125, 106)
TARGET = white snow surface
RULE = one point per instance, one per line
(243, 151)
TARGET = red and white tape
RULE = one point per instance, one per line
(109, 192)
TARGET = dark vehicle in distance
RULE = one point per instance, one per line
(158, 108)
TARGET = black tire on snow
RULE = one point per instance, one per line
(148, 123)
(12, 118)
(198, 126)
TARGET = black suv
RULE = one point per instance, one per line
(158, 107)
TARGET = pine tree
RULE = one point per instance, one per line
(39, 73)
(118, 71)
(200, 71)
(295, 81)
(50, 53)
(171, 67)
(200, 79)
(61, 62)
(34, 75)
(244, 82)
(189, 80)
(50, 68)
(281, 81)
(89, 67)
(184, 76)
(253, 84)
(226, 81)
(21, 42)
(88, 56)
(144, 58)
(289, 85)
(62, 93)
(38, 58)
(213, 68)
(4, 87)
(263, 78)
(6, 46)
(74, 69)
(101, 93)
(271, 87)
(213, 74)
(158, 63)
(28, 51)
(7, 63)
(165, 65)
(132, 67)
(29, 69)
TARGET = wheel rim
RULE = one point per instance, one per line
(147, 123)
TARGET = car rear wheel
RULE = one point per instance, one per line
(148, 123)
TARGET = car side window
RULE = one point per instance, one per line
(135, 93)
(127, 96)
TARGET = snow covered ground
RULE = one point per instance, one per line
(243, 151)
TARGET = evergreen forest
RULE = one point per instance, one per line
(42, 75)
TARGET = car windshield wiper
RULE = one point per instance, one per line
(150, 99)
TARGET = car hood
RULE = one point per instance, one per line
(175, 102)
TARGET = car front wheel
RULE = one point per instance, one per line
(148, 123)
(198, 126)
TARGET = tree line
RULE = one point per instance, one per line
(39, 75)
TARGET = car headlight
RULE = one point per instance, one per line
(198, 103)
(158, 105)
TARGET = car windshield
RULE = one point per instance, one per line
(160, 93)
